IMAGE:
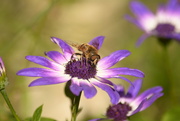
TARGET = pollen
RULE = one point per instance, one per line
(165, 29)
(81, 68)
(118, 112)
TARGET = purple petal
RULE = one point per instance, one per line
(147, 94)
(2, 68)
(144, 16)
(44, 62)
(112, 59)
(112, 94)
(121, 71)
(110, 74)
(75, 86)
(39, 72)
(134, 89)
(142, 38)
(138, 108)
(151, 100)
(56, 56)
(128, 71)
(120, 89)
(1, 61)
(106, 73)
(140, 10)
(89, 90)
(134, 21)
(49, 81)
(67, 50)
(97, 42)
(123, 78)
(173, 5)
(176, 36)
(103, 80)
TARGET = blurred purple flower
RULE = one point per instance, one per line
(164, 24)
(3, 76)
(82, 74)
(2, 68)
(130, 103)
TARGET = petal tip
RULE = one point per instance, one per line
(32, 85)
(55, 40)
(101, 37)
(18, 73)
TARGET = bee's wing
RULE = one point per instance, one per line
(73, 44)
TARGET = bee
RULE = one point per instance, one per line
(88, 51)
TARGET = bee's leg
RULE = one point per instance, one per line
(95, 59)
(76, 57)
(83, 59)
(86, 59)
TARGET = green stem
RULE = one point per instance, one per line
(168, 73)
(75, 107)
(167, 84)
(3, 92)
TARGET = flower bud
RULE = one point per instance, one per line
(3, 76)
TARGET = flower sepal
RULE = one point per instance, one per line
(164, 41)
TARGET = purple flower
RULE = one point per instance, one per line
(2, 68)
(82, 74)
(130, 103)
(3, 76)
(164, 24)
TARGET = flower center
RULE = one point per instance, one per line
(118, 112)
(165, 29)
(81, 68)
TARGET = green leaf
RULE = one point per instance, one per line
(79, 110)
(37, 114)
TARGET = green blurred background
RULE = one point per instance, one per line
(26, 27)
